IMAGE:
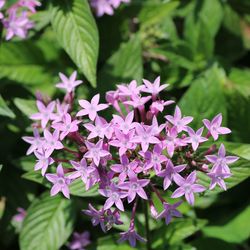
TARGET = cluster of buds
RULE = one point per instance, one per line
(102, 7)
(131, 157)
(16, 20)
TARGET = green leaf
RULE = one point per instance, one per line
(236, 230)
(124, 65)
(77, 33)
(28, 107)
(205, 98)
(77, 188)
(37, 177)
(5, 110)
(48, 224)
(239, 149)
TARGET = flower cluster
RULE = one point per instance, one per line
(79, 241)
(102, 7)
(132, 156)
(16, 18)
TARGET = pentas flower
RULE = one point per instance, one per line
(95, 151)
(114, 196)
(126, 157)
(153, 88)
(102, 7)
(187, 187)
(195, 138)
(116, 3)
(221, 161)
(214, 127)
(20, 216)
(134, 187)
(30, 4)
(70, 83)
(177, 120)
(43, 162)
(60, 182)
(79, 241)
(170, 173)
(46, 113)
(2, 3)
(91, 108)
(51, 142)
(66, 126)
(170, 211)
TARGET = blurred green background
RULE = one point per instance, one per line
(200, 47)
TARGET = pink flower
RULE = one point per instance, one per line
(91, 108)
(66, 126)
(144, 137)
(36, 142)
(116, 3)
(102, 7)
(43, 162)
(158, 106)
(80, 240)
(68, 83)
(179, 122)
(30, 4)
(134, 187)
(62, 110)
(60, 182)
(153, 88)
(2, 3)
(51, 142)
(95, 151)
(20, 216)
(129, 90)
(217, 178)
(195, 138)
(170, 173)
(138, 101)
(214, 127)
(170, 211)
(45, 113)
(187, 187)
(131, 236)
(220, 162)
(125, 125)
(114, 196)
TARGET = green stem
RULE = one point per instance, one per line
(147, 225)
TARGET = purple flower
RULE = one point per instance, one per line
(144, 137)
(97, 216)
(112, 218)
(158, 106)
(79, 241)
(91, 108)
(170, 173)
(36, 142)
(95, 151)
(214, 127)
(97, 130)
(131, 236)
(138, 101)
(130, 89)
(125, 125)
(68, 83)
(60, 182)
(17, 25)
(62, 110)
(153, 88)
(30, 4)
(66, 126)
(2, 3)
(45, 113)
(195, 138)
(83, 171)
(51, 142)
(123, 141)
(43, 162)
(170, 211)
(114, 196)
(124, 168)
(102, 7)
(116, 3)
(187, 187)
(154, 159)
(134, 187)
(179, 122)
(220, 162)
(19, 217)
(217, 178)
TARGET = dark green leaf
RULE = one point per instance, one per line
(5, 110)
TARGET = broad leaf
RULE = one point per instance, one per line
(48, 224)
(5, 110)
(77, 33)
(28, 107)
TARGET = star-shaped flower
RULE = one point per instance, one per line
(60, 182)
(30, 4)
(129, 90)
(214, 127)
(195, 138)
(125, 125)
(187, 187)
(91, 108)
(218, 178)
(70, 83)
(42, 162)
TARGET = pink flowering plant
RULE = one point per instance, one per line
(124, 124)
(141, 153)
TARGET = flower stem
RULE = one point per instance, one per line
(147, 225)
